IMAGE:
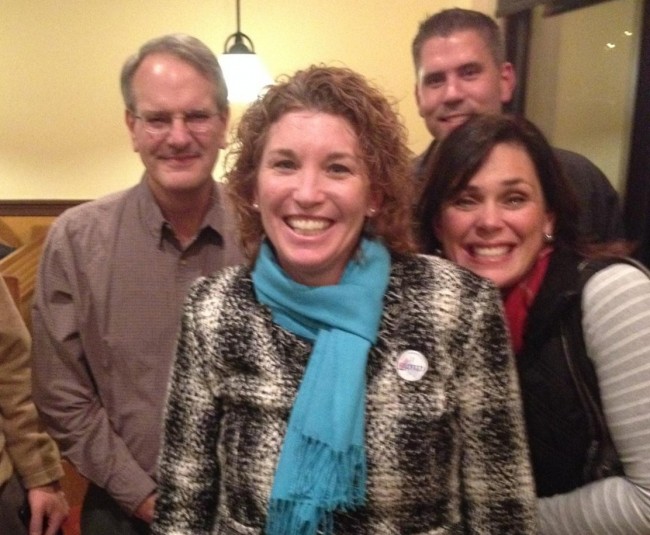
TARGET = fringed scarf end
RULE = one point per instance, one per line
(339, 476)
(289, 517)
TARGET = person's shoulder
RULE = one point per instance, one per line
(92, 212)
(579, 167)
(420, 269)
(419, 162)
(226, 298)
(429, 290)
(227, 282)
(617, 272)
(566, 156)
(91, 221)
(607, 282)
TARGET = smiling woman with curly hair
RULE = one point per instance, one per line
(339, 384)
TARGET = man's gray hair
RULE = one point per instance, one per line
(186, 48)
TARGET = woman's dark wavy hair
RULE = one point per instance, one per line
(462, 153)
(381, 136)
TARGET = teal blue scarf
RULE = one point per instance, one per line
(322, 465)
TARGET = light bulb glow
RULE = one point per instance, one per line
(245, 75)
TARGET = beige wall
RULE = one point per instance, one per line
(582, 78)
(61, 117)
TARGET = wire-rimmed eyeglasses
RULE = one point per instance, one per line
(160, 124)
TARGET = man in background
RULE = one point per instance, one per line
(113, 277)
(461, 71)
(30, 465)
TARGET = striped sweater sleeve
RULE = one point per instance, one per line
(616, 323)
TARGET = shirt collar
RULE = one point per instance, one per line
(159, 227)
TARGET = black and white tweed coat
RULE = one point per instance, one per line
(446, 454)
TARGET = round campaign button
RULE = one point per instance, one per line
(412, 365)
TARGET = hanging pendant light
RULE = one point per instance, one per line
(242, 68)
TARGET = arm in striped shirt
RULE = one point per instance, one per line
(616, 323)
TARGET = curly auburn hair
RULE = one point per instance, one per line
(381, 135)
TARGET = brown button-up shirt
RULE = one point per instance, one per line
(107, 310)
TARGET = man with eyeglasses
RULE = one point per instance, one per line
(113, 277)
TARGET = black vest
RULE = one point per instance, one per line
(558, 426)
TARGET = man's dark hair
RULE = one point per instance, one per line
(449, 21)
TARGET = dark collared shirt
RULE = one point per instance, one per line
(106, 317)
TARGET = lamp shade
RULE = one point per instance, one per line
(244, 72)
(245, 76)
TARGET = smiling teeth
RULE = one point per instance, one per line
(307, 224)
(491, 251)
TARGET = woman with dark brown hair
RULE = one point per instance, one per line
(496, 202)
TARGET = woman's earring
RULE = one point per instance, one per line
(372, 212)
(256, 206)
(548, 238)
